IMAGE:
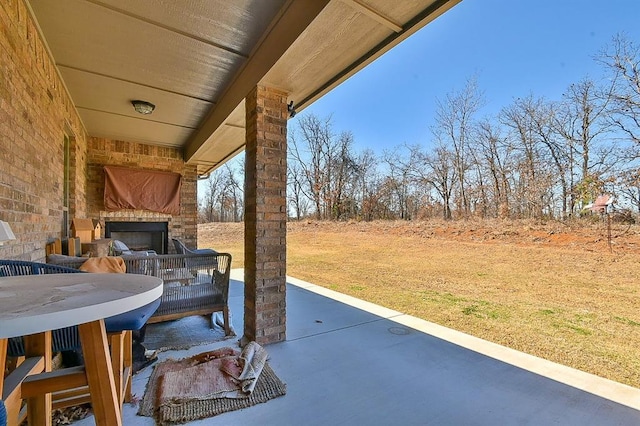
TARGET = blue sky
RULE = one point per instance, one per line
(512, 47)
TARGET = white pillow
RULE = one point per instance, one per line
(120, 247)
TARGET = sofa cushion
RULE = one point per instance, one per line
(132, 320)
(109, 264)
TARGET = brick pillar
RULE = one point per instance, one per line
(265, 220)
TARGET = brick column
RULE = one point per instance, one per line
(265, 220)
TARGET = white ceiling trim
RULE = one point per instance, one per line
(374, 14)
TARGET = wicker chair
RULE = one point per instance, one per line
(194, 284)
(3, 414)
(195, 262)
(181, 248)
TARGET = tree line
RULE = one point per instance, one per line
(536, 158)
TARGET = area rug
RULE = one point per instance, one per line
(209, 384)
(184, 333)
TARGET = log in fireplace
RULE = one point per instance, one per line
(140, 235)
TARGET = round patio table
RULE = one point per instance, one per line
(33, 305)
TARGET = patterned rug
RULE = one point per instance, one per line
(184, 333)
(199, 400)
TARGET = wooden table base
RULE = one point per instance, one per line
(34, 381)
(97, 364)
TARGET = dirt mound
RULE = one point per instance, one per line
(572, 235)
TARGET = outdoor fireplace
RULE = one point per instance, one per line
(140, 235)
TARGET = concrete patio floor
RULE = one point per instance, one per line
(350, 362)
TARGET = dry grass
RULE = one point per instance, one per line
(554, 291)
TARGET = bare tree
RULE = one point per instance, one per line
(622, 60)
(538, 126)
(325, 166)
(309, 152)
(366, 178)
(344, 168)
(454, 121)
(558, 150)
(232, 197)
(438, 170)
(536, 159)
(529, 184)
(494, 152)
(208, 206)
(401, 168)
(223, 199)
(296, 195)
(628, 182)
(584, 124)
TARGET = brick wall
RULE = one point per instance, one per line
(265, 216)
(35, 114)
(133, 155)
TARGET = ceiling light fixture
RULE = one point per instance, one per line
(143, 107)
(291, 109)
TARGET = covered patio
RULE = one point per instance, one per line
(174, 88)
(224, 77)
(347, 361)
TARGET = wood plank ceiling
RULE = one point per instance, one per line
(197, 59)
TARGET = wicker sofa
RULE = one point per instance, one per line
(194, 284)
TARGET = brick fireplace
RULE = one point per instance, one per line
(142, 228)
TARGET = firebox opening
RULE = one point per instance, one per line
(140, 235)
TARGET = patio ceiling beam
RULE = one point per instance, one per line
(374, 14)
(294, 18)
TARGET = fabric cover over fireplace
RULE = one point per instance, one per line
(156, 191)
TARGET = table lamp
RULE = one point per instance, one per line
(6, 234)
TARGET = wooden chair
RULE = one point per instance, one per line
(11, 386)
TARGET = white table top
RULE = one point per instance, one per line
(36, 303)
